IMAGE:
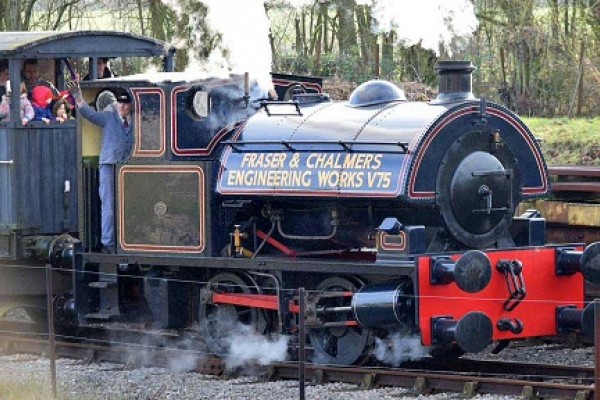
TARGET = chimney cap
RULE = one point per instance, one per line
(454, 82)
(452, 66)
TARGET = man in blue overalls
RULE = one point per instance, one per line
(117, 145)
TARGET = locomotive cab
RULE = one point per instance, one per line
(177, 121)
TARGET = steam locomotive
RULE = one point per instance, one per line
(395, 216)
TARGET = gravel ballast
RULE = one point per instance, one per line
(79, 380)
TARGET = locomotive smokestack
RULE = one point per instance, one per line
(455, 81)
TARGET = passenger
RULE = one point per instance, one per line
(41, 98)
(4, 108)
(62, 110)
(3, 77)
(104, 70)
(32, 78)
(27, 112)
(117, 145)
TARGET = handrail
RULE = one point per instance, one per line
(345, 144)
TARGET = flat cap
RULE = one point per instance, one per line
(123, 98)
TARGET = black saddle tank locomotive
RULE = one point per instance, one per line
(397, 217)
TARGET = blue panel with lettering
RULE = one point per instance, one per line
(315, 172)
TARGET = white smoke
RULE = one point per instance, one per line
(244, 45)
(399, 347)
(182, 360)
(185, 358)
(244, 29)
(298, 4)
(246, 346)
(430, 23)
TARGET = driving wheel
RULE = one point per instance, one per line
(342, 344)
(219, 323)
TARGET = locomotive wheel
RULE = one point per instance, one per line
(343, 345)
(65, 317)
(218, 322)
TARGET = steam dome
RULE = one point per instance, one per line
(375, 92)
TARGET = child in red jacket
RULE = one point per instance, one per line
(41, 99)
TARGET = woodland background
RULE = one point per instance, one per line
(538, 57)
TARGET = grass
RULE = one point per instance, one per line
(565, 141)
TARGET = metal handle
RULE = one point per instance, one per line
(8, 162)
(513, 273)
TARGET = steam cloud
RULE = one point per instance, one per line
(246, 346)
(399, 347)
(244, 27)
(447, 20)
(185, 359)
(298, 4)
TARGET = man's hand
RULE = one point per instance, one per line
(75, 90)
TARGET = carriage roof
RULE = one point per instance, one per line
(80, 44)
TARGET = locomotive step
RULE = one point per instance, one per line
(100, 316)
(102, 284)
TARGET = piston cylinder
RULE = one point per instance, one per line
(384, 305)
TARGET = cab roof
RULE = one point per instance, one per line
(88, 43)
(157, 77)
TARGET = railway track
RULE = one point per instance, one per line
(467, 376)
